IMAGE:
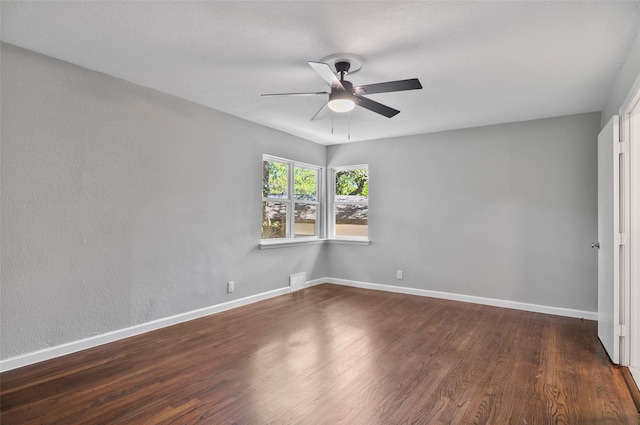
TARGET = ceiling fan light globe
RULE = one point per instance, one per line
(341, 105)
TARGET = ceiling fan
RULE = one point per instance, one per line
(344, 96)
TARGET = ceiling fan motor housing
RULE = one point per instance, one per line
(348, 87)
(341, 98)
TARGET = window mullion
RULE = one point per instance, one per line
(292, 203)
(331, 203)
(320, 218)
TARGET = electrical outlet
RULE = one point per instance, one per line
(231, 286)
(399, 275)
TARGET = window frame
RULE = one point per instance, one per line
(290, 237)
(331, 213)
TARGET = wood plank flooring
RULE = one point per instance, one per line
(334, 355)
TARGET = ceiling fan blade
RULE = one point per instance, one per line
(376, 107)
(325, 72)
(319, 110)
(296, 94)
(412, 84)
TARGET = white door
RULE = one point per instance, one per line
(608, 254)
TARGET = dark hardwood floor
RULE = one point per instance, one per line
(334, 355)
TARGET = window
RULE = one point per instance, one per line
(290, 199)
(350, 202)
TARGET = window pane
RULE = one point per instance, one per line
(305, 221)
(274, 220)
(274, 179)
(352, 219)
(305, 184)
(352, 185)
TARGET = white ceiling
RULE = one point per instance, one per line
(480, 63)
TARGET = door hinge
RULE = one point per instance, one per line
(622, 238)
(621, 331)
(622, 147)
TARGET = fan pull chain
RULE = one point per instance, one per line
(331, 123)
(349, 133)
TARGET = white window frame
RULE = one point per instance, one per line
(291, 204)
(332, 210)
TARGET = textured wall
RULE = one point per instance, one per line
(505, 211)
(121, 205)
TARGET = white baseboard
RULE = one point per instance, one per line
(94, 341)
(558, 311)
(315, 282)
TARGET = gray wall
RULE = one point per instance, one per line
(505, 211)
(121, 205)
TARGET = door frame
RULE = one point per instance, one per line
(630, 213)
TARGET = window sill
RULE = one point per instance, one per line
(282, 244)
(286, 243)
(346, 241)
